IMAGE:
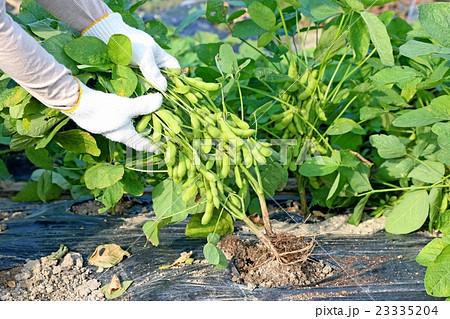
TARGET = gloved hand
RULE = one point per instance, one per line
(110, 115)
(146, 53)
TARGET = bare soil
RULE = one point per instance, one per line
(124, 207)
(44, 279)
(253, 264)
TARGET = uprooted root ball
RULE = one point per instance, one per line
(253, 263)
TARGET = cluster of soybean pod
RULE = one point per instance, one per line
(207, 150)
(301, 107)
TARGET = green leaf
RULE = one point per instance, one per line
(44, 185)
(414, 48)
(444, 222)
(247, 29)
(429, 253)
(103, 175)
(30, 193)
(110, 196)
(11, 97)
(191, 18)
(262, 15)
(318, 11)
(368, 113)
(273, 176)
(410, 214)
(49, 136)
(434, 19)
(39, 157)
(394, 169)
(55, 46)
(437, 276)
(222, 226)
(265, 38)
(435, 200)
(21, 142)
(124, 80)
(57, 178)
(334, 187)
(372, 3)
(88, 50)
(328, 41)
(77, 141)
(442, 130)
(355, 219)
(359, 38)
(345, 125)
(437, 111)
(207, 52)
(396, 74)
(167, 200)
(388, 146)
(151, 229)
(216, 12)
(211, 254)
(358, 177)
(355, 5)
(119, 49)
(318, 166)
(227, 59)
(4, 174)
(131, 183)
(379, 37)
(428, 172)
(43, 29)
(116, 293)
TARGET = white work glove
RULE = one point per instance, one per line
(146, 53)
(111, 115)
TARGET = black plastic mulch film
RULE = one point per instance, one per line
(375, 267)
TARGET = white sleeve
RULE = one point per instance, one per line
(31, 66)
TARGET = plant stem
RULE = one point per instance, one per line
(262, 202)
(261, 236)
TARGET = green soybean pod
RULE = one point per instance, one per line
(191, 98)
(237, 176)
(143, 122)
(240, 123)
(264, 151)
(182, 169)
(225, 166)
(170, 155)
(236, 202)
(214, 131)
(200, 84)
(190, 192)
(207, 215)
(170, 119)
(257, 156)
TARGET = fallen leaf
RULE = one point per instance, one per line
(115, 293)
(107, 256)
(11, 284)
(114, 284)
(184, 256)
(256, 219)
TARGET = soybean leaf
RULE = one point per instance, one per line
(437, 276)
(57, 178)
(207, 52)
(43, 29)
(107, 256)
(211, 254)
(372, 3)
(44, 185)
(410, 214)
(55, 46)
(124, 80)
(110, 196)
(358, 177)
(318, 11)
(265, 38)
(262, 15)
(428, 172)
(414, 48)
(167, 200)
(355, 5)
(151, 229)
(227, 59)
(437, 111)
(368, 113)
(77, 141)
(273, 177)
(444, 222)
(131, 183)
(222, 226)
(386, 17)
(359, 38)
(429, 253)
(434, 19)
(379, 37)
(119, 49)
(191, 18)
(388, 146)
(20, 142)
(442, 130)
(345, 125)
(318, 166)
(216, 12)
(328, 41)
(30, 194)
(435, 200)
(396, 74)
(334, 187)
(117, 292)
(223, 262)
(4, 174)
(49, 136)
(247, 29)
(394, 169)
(103, 175)
(355, 219)
(39, 157)
(88, 50)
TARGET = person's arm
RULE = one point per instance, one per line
(27, 63)
(94, 18)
